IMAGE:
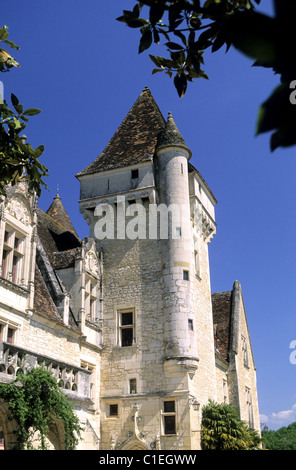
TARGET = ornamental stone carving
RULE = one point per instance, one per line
(91, 259)
(17, 208)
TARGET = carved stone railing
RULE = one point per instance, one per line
(14, 359)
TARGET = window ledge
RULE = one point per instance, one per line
(13, 286)
(128, 348)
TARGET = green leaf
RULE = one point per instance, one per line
(136, 10)
(11, 44)
(219, 42)
(19, 108)
(178, 56)
(156, 70)
(17, 123)
(181, 36)
(3, 33)
(254, 34)
(39, 150)
(180, 83)
(156, 13)
(156, 37)
(273, 110)
(202, 74)
(122, 19)
(31, 111)
(174, 46)
(278, 114)
(14, 100)
(163, 62)
(155, 60)
(145, 41)
(131, 14)
(136, 23)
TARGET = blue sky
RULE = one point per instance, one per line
(82, 69)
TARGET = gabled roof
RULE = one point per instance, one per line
(135, 140)
(222, 305)
(43, 302)
(226, 319)
(56, 236)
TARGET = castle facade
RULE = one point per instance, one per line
(125, 319)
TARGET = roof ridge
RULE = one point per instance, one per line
(222, 292)
(142, 124)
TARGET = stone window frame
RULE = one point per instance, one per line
(245, 354)
(91, 367)
(196, 257)
(121, 327)
(133, 385)
(186, 275)
(169, 414)
(112, 415)
(15, 255)
(90, 297)
(132, 375)
(225, 390)
(190, 324)
(249, 407)
(5, 325)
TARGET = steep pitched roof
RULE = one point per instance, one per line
(222, 305)
(56, 236)
(135, 139)
(226, 319)
(171, 136)
(57, 211)
(43, 302)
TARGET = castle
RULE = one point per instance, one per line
(125, 319)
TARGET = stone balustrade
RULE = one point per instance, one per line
(14, 359)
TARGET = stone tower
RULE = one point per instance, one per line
(158, 357)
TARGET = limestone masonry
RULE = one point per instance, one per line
(125, 319)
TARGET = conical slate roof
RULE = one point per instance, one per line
(57, 211)
(171, 136)
(136, 138)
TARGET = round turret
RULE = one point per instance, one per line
(172, 164)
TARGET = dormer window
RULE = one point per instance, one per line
(135, 174)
